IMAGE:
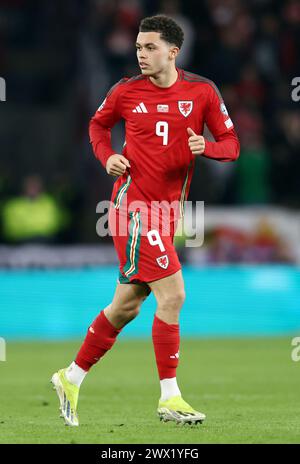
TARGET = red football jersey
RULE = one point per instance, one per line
(156, 140)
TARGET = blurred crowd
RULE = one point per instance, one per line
(59, 58)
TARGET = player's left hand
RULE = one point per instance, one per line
(196, 142)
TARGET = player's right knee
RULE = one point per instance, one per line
(129, 315)
(131, 308)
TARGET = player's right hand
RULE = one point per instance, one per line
(116, 165)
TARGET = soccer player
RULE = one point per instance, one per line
(165, 109)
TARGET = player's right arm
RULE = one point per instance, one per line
(107, 115)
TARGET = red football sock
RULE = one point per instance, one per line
(166, 341)
(100, 338)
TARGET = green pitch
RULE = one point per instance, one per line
(248, 388)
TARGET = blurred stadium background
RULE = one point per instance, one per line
(58, 60)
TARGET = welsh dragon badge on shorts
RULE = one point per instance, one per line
(163, 261)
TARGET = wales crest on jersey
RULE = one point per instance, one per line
(185, 107)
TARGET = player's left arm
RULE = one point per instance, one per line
(226, 146)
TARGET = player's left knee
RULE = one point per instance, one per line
(173, 300)
(180, 296)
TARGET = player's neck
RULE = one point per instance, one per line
(165, 78)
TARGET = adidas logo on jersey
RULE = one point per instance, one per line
(140, 108)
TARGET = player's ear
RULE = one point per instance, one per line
(173, 52)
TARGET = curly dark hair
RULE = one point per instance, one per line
(168, 28)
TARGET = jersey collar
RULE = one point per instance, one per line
(171, 87)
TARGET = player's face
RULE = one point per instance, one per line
(154, 54)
